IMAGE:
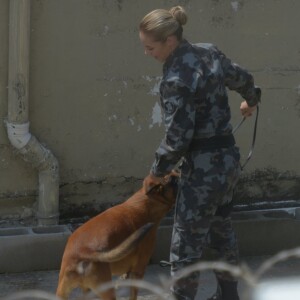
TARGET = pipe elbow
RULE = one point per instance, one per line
(18, 134)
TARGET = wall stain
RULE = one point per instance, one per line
(19, 87)
(297, 105)
(119, 4)
(269, 186)
(221, 21)
(80, 200)
(179, 2)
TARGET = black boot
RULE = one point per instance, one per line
(226, 290)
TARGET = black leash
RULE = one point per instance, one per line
(238, 125)
(253, 138)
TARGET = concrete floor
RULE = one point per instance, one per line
(47, 280)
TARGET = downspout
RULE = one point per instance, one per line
(27, 146)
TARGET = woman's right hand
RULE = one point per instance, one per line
(151, 181)
(247, 110)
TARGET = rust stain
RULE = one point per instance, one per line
(19, 87)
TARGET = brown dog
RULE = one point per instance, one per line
(118, 241)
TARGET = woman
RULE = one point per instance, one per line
(198, 131)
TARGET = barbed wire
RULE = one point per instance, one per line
(250, 277)
(155, 289)
(31, 294)
(279, 257)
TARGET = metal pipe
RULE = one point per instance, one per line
(30, 149)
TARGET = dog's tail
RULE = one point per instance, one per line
(125, 247)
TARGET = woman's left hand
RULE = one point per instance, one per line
(247, 110)
(150, 181)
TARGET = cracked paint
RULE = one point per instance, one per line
(113, 118)
(131, 121)
(154, 91)
(235, 5)
(156, 115)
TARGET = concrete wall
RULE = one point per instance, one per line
(94, 100)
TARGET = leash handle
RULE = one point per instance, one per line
(253, 138)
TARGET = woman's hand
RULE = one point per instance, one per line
(247, 110)
(150, 181)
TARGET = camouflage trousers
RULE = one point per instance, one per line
(202, 214)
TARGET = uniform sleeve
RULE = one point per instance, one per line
(179, 117)
(240, 80)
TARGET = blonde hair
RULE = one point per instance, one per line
(162, 23)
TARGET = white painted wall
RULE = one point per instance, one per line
(94, 95)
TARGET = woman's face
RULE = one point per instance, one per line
(159, 50)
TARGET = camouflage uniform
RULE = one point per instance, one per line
(195, 104)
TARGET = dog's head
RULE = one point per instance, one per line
(167, 192)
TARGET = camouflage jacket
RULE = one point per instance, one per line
(194, 99)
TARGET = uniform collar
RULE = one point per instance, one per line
(179, 50)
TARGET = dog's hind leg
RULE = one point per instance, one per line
(133, 289)
(139, 268)
(100, 273)
(67, 283)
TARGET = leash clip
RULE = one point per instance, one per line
(164, 263)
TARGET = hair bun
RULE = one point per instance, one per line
(178, 13)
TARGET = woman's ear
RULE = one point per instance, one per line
(172, 41)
